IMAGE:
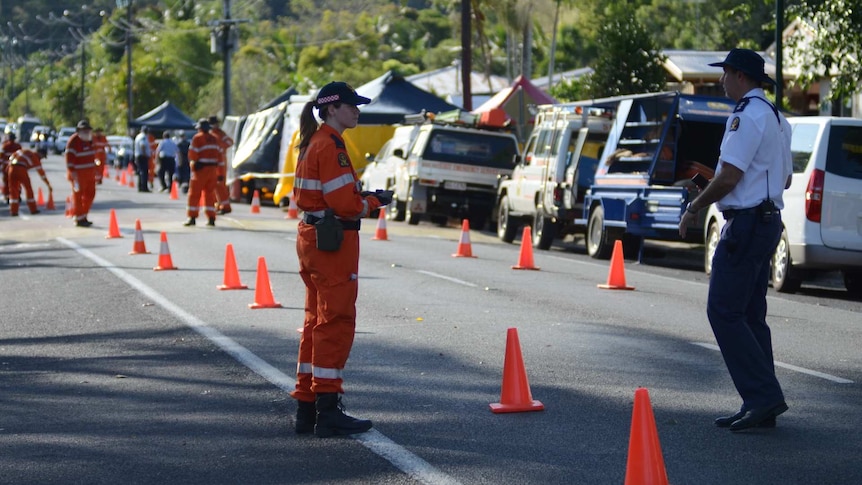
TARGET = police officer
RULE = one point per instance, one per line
(753, 170)
(142, 159)
(326, 188)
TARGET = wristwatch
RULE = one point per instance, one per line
(690, 209)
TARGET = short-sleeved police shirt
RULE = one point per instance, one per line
(757, 142)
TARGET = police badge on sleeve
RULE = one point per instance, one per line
(343, 160)
(734, 124)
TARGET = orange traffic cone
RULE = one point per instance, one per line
(131, 183)
(123, 180)
(515, 396)
(106, 174)
(50, 205)
(525, 260)
(380, 233)
(117, 174)
(617, 274)
(255, 203)
(645, 464)
(139, 247)
(40, 198)
(292, 209)
(465, 249)
(113, 227)
(231, 273)
(263, 290)
(175, 193)
(165, 261)
(70, 207)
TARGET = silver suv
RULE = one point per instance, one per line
(822, 209)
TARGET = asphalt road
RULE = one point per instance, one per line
(111, 372)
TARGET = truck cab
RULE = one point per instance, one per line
(547, 186)
(643, 182)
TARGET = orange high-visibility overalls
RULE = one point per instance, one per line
(203, 155)
(325, 178)
(100, 144)
(9, 147)
(222, 193)
(81, 172)
(18, 175)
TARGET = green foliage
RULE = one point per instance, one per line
(628, 60)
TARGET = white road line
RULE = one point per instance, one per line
(447, 278)
(412, 465)
(803, 370)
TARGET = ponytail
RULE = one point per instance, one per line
(307, 125)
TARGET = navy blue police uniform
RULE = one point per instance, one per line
(757, 142)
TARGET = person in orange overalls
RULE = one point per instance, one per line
(325, 180)
(203, 157)
(151, 169)
(9, 147)
(100, 143)
(225, 142)
(81, 171)
(19, 165)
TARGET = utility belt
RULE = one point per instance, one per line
(764, 211)
(345, 224)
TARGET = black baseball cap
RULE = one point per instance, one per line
(339, 92)
(84, 125)
(203, 124)
(747, 61)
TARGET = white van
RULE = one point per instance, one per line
(822, 209)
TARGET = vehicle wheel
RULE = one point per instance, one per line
(784, 278)
(599, 243)
(853, 283)
(712, 237)
(505, 228)
(412, 218)
(396, 210)
(544, 232)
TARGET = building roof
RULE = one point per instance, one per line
(693, 66)
(447, 82)
(542, 82)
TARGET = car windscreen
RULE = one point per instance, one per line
(844, 157)
(471, 148)
(802, 144)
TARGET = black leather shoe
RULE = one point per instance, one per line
(726, 421)
(84, 223)
(753, 417)
(211, 222)
(190, 222)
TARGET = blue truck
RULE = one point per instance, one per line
(643, 181)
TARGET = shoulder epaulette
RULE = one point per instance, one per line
(338, 142)
(741, 105)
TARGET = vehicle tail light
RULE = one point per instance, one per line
(814, 196)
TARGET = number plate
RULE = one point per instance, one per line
(455, 185)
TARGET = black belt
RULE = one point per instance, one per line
(345, 224)
(731, 213)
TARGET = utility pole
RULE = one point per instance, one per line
(224, 40)
(779, 53)
(466, 55)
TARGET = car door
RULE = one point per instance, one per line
(531, 175)
(841, 217)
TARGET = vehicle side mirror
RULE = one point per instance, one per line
(516, 159)
(398, 152)
(369, 157)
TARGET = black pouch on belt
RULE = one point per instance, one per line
(329, 232)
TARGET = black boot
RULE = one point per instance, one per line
(190, 222)
(211, 222)
(306, 416)
(332, 421)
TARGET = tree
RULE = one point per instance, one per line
(828, 43)
(628, 60)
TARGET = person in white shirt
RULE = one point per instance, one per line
(142, 159)
(754, 169)
(167, 154)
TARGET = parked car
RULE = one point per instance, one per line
(62, 138)
(121, 150)
(822, 213)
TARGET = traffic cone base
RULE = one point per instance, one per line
(645, 463)
(515, 396)
(50, 205)
(380, 234)
(231, 273)
(465, 249)
(165, 261)
(255, 202)
(139, 247)
(617, 273)
(263, 290)
(525, 259)
(123, 180)
(113, 227)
